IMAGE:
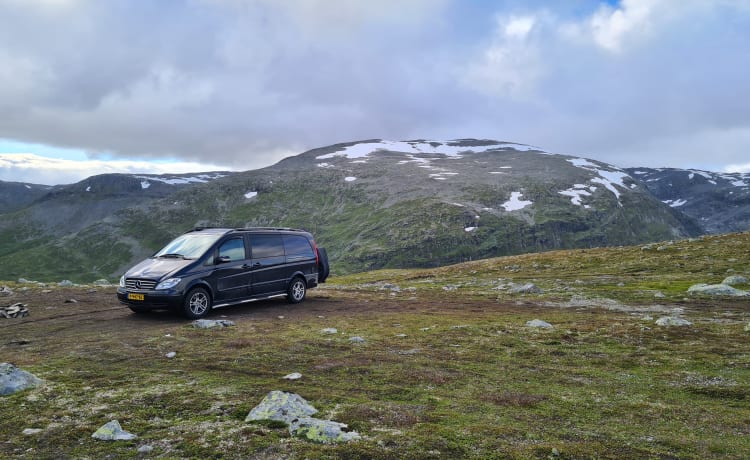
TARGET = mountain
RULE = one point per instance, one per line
(372, 204)
(719, 202)
(18, 195)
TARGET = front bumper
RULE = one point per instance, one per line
(154, 300)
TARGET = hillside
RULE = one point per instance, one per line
(718, 202)
(373, 204)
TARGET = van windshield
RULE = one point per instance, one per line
(189, 246)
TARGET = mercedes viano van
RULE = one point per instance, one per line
(214, 267)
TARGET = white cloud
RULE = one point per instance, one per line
(35, 169)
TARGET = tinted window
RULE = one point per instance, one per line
(266, 246)
(234, 249)
(297, 246)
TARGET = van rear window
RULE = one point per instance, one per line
(297, 246)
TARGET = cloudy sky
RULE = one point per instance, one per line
(93, 86)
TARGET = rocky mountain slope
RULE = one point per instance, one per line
(719, 202)
(373, 204)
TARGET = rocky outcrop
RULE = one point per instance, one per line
(294, 411)
(112, 431)
(17, 310)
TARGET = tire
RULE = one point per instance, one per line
(324, 269)
(139, 310)
(197, 304)
(297, 290)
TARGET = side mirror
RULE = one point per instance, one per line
(222, 260)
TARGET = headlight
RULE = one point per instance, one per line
(122, 281)
(168, 284)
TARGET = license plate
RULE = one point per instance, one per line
(132, 296)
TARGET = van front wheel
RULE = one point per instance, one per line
(197, 304)
(297, 290)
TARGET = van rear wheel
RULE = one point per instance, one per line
(197, 304)
(297, 290)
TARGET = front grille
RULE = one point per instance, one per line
(133, 283)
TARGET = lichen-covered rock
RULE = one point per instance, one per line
(13, 379)
(281, 406)
(65, 283)
(296, 412)
(538, 323)
(112, 431)
(528, 288)
(734, 279)
(716, 289)
(672, 321)
(322, 431)
(212, 323)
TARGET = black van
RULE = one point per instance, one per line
(215, 267)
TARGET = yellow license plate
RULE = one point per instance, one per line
(132, 296)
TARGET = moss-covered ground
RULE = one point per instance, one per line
(448, 368)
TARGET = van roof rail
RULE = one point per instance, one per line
(288, 229)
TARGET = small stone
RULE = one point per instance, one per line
(538, 323)
(659, 295)
(280, 317)
(101, 282)
(292, 376)
(145, 449)
(112, 431)
(65, 283)
(71, 301)
(6, 291)
(329, 330)
(32, 431)
(13, 379)
(672, 321)
(212, 323)
(747, 327)
(356, 339)
(528, 288)
(401, 336)
(716, 289)
(171, 354)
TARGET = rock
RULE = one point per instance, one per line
(734, 279)
(5, 291)
(672, 321)
(356, 339)
(716, 289)
(528, 288)
(17, 310)
(101, 282)
(747, 327)
(24, 281)
(329, 330)
(171, 354)
(538, 323)
(31, 431)
(659, 295)
(292, 376)
(145, 449)
(322, 431)
(212, 323)
(294, 411)
(13, 379)
(65, 283)
(70, 301)
(112, 431)
(281, 406)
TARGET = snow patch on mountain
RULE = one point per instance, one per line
(608, 179)
(449, 148)
(249, 195)
(172, 180)
(577, 192)
(515, 202)
(675, 203)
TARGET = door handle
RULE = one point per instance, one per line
(255, 265)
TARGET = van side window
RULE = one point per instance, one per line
(266, 246)
(298, 246)
(234, 249)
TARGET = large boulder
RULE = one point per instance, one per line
(717, 289)
(13, 379)
(734, 279)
